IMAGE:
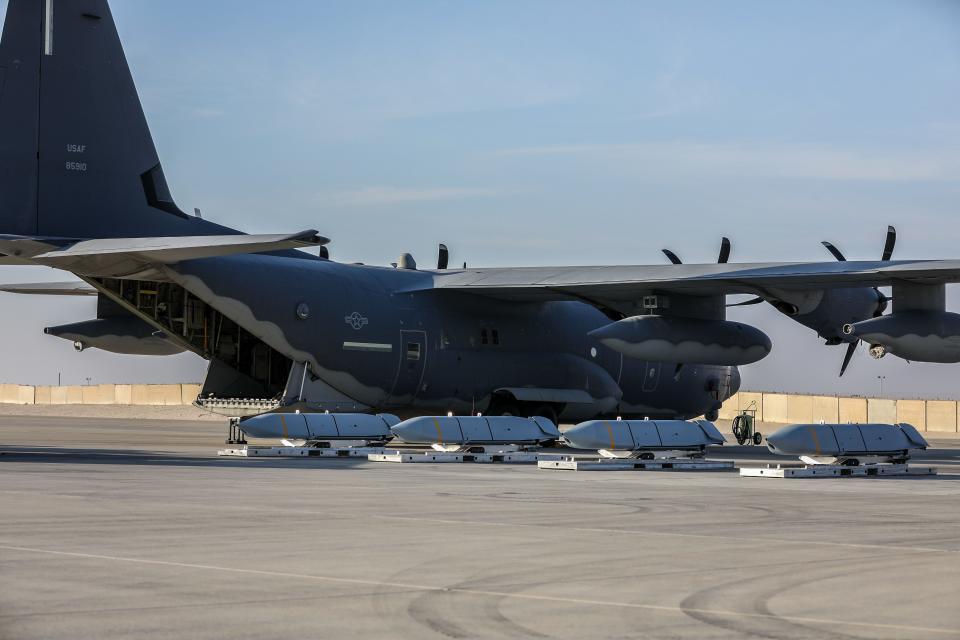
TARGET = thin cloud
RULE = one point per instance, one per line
(384, 195)
(771, 161)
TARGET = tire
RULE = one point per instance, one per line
(738, 430)
(505, 409)
(757, 437)
(546, 411)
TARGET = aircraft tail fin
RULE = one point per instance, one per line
(76, 156)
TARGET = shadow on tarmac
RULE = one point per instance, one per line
(947, 460)
(66, 455)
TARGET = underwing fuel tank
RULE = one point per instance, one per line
(817, 440)
(320, 426)
(638, 435)
(685, 340)
(921, 336)
(476, 430)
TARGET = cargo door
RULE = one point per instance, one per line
(413, 359)
(849, 438)
(651, 376)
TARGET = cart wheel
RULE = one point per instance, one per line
(757, 437)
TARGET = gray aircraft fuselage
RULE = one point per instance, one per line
(436, 351)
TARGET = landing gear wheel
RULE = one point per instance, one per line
(646, 455)
(505, 409)
(851, 462)
(757, 437)
(545, 411)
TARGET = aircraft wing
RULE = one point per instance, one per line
(117, 257)
(608, 285)
(77, 288)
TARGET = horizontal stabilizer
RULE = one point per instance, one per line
(118, 257)
(77, 288)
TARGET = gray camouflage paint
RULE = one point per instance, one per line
(540, 345)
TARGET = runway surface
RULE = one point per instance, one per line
(123, 529)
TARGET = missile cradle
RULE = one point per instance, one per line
(846, 443)
(462, 430)
(320, 426)
(643, 435)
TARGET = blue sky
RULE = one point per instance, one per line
(524, 133)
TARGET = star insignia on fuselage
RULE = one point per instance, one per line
(356, 320)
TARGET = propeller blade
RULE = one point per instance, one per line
(671, 256)
(889, 244)
(833, 250)
(746, 302)
(846, 357)
(724, 251)
(443, 258)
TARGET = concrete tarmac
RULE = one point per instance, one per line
(133, 529)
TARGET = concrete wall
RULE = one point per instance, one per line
(143, 394)
(940, 416)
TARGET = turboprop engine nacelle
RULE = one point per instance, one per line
(123, 334)
(643, 435)
(320, 426)
(922, 336)
(460, 430)
(685, 340)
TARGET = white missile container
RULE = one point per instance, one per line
(641, 435)
(320, 426)
(845, 440)
(448, 430)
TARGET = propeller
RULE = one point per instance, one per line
(834, 251)
(851, 347)
(671, 256)
(746, 303)
(722, 259)
(882, 299)
(724, 250)
(888, 246)
(890, 243)
(443, 258)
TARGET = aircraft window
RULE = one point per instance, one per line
(413, 351)
(495, 335)
(483, 336)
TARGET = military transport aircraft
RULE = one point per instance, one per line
(82, 190)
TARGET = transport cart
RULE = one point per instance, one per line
(744, 426)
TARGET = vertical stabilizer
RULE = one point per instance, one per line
(76, 156)
(19, 117)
